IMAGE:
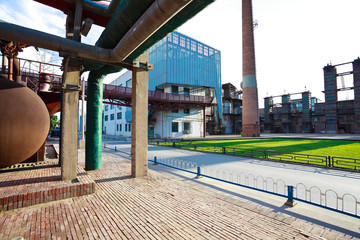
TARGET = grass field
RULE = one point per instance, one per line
(348, 149)
(255, 147)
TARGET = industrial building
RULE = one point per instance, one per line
(289, 115)
(232, 109)
(306, 114)
(181, 66)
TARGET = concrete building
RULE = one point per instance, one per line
(184, 66)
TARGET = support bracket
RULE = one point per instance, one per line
(138, 64)
(71, 87)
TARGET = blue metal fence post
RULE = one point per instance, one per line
(198, 175)
(104, 145)
(115, 149)
(290, 201)
(155, 162)
(224, 150)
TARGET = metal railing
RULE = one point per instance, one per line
(346, 204)
(308, 159)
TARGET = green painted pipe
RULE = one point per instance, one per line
(94, 116)
(94, 120)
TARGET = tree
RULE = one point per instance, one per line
(53, 121)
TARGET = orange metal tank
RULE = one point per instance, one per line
(24, 123)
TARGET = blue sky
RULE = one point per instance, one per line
(295, 39)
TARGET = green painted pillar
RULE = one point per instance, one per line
(94, 121)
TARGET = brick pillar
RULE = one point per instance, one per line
(250, 115)
(356, 70)
(139, 130)
(330, 99)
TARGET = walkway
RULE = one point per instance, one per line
(160, 206)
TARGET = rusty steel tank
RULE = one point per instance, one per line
(24, 122)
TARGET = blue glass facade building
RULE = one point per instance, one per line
(179, 59)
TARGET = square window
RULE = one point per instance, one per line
(112, 117)
(119, 115)
(106, 117)
(106, 107)
(175, 111)
(175, 127)
(174, 89)
(186, 127)
(111, 106)
(186, 91)
(187, 111)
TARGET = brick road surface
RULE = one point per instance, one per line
(156, 207)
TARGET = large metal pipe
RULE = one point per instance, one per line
(156, 16)
(99, 9)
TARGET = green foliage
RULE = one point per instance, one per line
(53, 121)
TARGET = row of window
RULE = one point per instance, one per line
(175, 127)
(175, 90)
(112, 116)
(127, 127)
(186, 111)
(111, 107)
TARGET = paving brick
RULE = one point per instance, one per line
(155, 207)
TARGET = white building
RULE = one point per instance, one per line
(117, 119)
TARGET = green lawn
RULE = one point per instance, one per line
(333, 148)
(348, 149)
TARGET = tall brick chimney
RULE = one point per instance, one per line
(250, 113)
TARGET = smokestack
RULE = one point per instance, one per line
(250, 113)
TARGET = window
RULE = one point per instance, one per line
(119, 115)
(111, 106)
(106, 107)
(175, 127)
(112, 116)
(182, 41)
(174, 89)
(186, 91)
(129, 127)
(207, 92)
(186, 127)
(119, 107)
(125, 127)
(175, 38)
(117, 127)
(175, 111)
(120, 127)
(106, 117)
(187, 111)
(129, 83)
(193, 46)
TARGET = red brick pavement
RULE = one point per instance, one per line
(156, 207)
(39, 183)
